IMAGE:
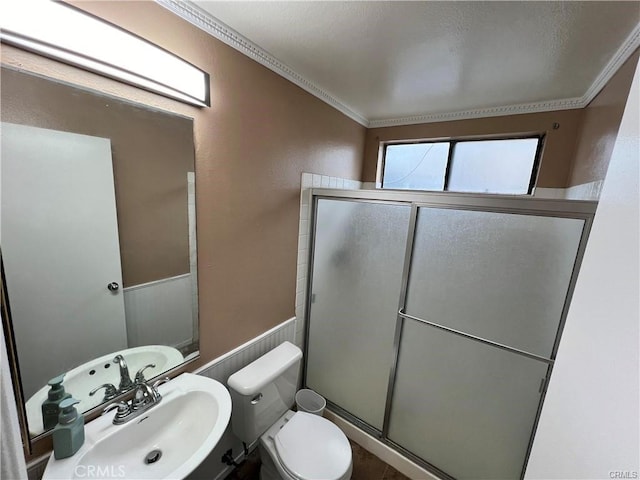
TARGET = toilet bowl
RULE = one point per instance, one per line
(301, 446)
(293, 445)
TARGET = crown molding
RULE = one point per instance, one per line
(205, 21)
(622, 55)
(536, 107)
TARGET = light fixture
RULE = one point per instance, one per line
(64, 33)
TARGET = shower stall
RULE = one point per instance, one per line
(433, 320)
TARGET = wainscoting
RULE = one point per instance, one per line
(223, 367)
(160, 312)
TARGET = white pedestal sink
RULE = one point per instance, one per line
(167, 442)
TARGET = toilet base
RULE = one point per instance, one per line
(270, 470)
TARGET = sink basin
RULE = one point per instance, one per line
(178, 433)
(81, 380)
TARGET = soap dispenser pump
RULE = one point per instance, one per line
(51, 406)
(68, 436)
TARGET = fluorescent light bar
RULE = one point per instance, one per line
(64, 33)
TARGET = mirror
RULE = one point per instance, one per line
(98, 239)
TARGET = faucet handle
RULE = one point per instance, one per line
(110, 391)
(123, 408)
(140, 375)
(160, 382)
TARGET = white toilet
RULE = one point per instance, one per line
(293, 445)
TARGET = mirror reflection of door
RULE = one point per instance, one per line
(151, 171)
(60, 240)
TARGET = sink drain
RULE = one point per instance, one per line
(152, 457)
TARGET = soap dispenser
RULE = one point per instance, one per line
(51, 406)
(68, 436)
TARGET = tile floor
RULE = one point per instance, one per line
(366, 466)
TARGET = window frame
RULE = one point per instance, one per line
(535, 169)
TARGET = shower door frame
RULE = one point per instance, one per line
(519, 205)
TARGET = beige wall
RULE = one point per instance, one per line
(260, 133)
(599, 127)
(152, 152)
(556, 158)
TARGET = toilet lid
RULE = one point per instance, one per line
(311, 447)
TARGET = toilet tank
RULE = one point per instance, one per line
(263, 391)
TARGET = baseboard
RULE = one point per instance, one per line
(228, 469)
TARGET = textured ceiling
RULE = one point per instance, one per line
(390, 60)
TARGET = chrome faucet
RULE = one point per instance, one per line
(145, 397)
(125, 380)
(140, 374)
(110, 392)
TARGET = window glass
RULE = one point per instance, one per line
(503, 166)
(417, 166)
(493, 166)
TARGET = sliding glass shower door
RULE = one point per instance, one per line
(485, 296)
(434, 321)
(465, 407)
(501, 276)
(358, 257)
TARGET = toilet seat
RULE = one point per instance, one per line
(310, 447)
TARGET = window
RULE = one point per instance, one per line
(504, 166)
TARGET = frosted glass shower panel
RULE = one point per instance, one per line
(500, 276)
(358, 258)
(465, 407)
